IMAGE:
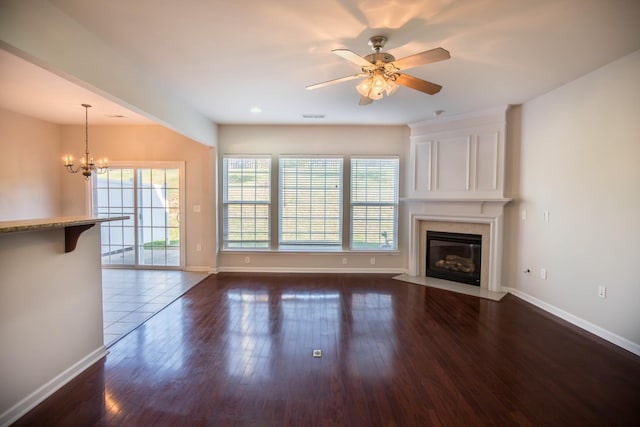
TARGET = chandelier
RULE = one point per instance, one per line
(87, 165)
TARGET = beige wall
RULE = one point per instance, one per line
(330, 140)
(30, 166)
(580, 160)
(137, 143)
(50, 315)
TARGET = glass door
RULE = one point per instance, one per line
(151, 197)
(158, 217)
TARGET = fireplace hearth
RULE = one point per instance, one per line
(454, 256)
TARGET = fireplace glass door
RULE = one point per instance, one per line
(454, 256)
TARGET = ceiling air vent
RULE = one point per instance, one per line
(314, 116)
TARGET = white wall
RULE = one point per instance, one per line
(50, 314)
(30, 165)
(338, 140)
(580, 160)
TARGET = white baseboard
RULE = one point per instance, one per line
(577, 321)
(32, 400)
(198, 269)
(310, 270)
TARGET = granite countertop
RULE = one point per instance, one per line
(48, 223)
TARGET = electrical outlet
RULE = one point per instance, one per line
(523, 214)
(198, 247)
(344, 261)
(196, 208)
(247, 260)
(543, 273)
(317, 353)
(546, 216)
(602, 292)
(372, 261)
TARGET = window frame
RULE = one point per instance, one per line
(224, 232)
(310, 245)
(394, 204)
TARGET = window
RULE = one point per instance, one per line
(374, 203)
(246, 202)
(310, 199)
(311, 203)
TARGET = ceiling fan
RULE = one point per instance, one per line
(382, 71)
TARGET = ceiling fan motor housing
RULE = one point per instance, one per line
(380, 56)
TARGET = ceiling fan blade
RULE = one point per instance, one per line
(426, 57)
(418, 84)
(352, 56)
(365, 100)
(334, 81)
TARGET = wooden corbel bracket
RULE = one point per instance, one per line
(71, 235)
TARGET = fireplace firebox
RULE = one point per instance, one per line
(454, 256)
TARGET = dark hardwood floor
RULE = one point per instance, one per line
(237, 350)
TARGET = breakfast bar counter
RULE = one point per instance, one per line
(73, 226)
(50, 307)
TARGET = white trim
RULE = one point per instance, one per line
(415, 167)
(495, 244)
(136, 165)
(577, 321)
(198, 269)
(467, 183)
(310, 270)
(486, 117)
(39, 395)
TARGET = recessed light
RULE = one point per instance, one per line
(256, 110)
(438, 112)
(314, 116)
(116, 116)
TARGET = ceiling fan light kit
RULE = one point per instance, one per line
(375, 86)
(382, 72)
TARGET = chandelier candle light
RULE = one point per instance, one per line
(87, 165)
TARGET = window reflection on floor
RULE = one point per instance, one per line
(267, 327)
(372, 334)
(249, 343)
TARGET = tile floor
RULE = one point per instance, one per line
(447, 285)
(130, 297)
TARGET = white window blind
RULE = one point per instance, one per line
(246, 202)
(374, 203)
(310, 201)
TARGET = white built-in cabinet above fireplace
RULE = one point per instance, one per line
(459, 158)
(457, 168)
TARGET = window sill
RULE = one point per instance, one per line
(314, 251)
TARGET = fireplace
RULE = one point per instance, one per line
(457, 169)
(465, 225)
(454, 256)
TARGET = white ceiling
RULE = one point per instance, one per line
(224, 57)
(31, 90)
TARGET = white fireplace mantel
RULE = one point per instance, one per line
(464, 211)
(456, 171)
